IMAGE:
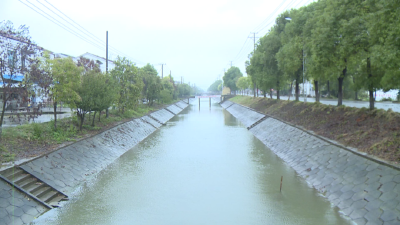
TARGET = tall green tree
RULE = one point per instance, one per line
(168, 89)
(333, 40)
(384, 36)
(92, 92)
(242, 83)
(214, 86)
(152, 83)
(291, 55)
(183, 90)
(129, 82)
(65, 75)
(251, 73)
(231, 76)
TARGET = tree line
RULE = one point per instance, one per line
(336, 44)
(79, 84)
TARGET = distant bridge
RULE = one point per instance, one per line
(209, 96)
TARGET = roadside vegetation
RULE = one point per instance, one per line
(30, 140)
(376, 132)
(344, 48)
(98, 99)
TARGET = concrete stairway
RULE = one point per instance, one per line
(32, 186)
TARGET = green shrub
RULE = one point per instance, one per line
(387, 99)
(37, 131)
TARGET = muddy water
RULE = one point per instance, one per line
(203, 167)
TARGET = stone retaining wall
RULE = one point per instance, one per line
(174, 109)
(70, 166)
(364, 190)
(161, 116)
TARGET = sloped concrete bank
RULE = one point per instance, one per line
(67, 168)
(363, 189)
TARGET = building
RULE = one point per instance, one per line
(99, 60)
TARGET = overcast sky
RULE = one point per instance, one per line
(195, 39)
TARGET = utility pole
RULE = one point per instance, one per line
(254, 41)
(106, 64)
(170, 76)
(181, 81)
(231, 63)
(162, 70)
(106, 51)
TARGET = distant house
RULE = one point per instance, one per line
(99, 60)
(15, 53)
(19, 59)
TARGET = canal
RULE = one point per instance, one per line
(203, 167)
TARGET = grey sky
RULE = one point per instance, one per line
(196, 39)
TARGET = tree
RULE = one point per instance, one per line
(242, 83)
(17, 51)
(231, 76)
(183, 90)
(383, 36)
(96, 94)
(152, 83)
(291, 55)
(214, 86)
(129, 82)
(333, 39)
(313, 68)
(168, 89)
(40, 75)
(251, 73)
(65, 75)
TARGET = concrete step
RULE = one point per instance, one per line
(7, 172)
(42, 191)
(49, 195)
(35, 187)
(21, 178)
(13, 173)
(28, 183)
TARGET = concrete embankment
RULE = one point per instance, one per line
(364, 189)
(62, 171)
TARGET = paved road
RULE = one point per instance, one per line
(12, 121)
(358, 104)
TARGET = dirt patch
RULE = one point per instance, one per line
(376, 132)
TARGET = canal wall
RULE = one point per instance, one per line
(363, 188)
(68, 167)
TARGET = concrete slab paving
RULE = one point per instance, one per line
(175, 109)
(162, 115)
(16, 207)
(363, 189)
(70, 166)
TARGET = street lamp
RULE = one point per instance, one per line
(304, 94)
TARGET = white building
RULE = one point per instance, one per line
(100, 60)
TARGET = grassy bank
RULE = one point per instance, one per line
(376, 132)
(35, 139)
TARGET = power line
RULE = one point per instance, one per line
(86, 32)
(299, 3)
(273, 14)
(241, 49)
(262, 27)
(59, 24)
(99, 43)
(269, 17)
(94, 36)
